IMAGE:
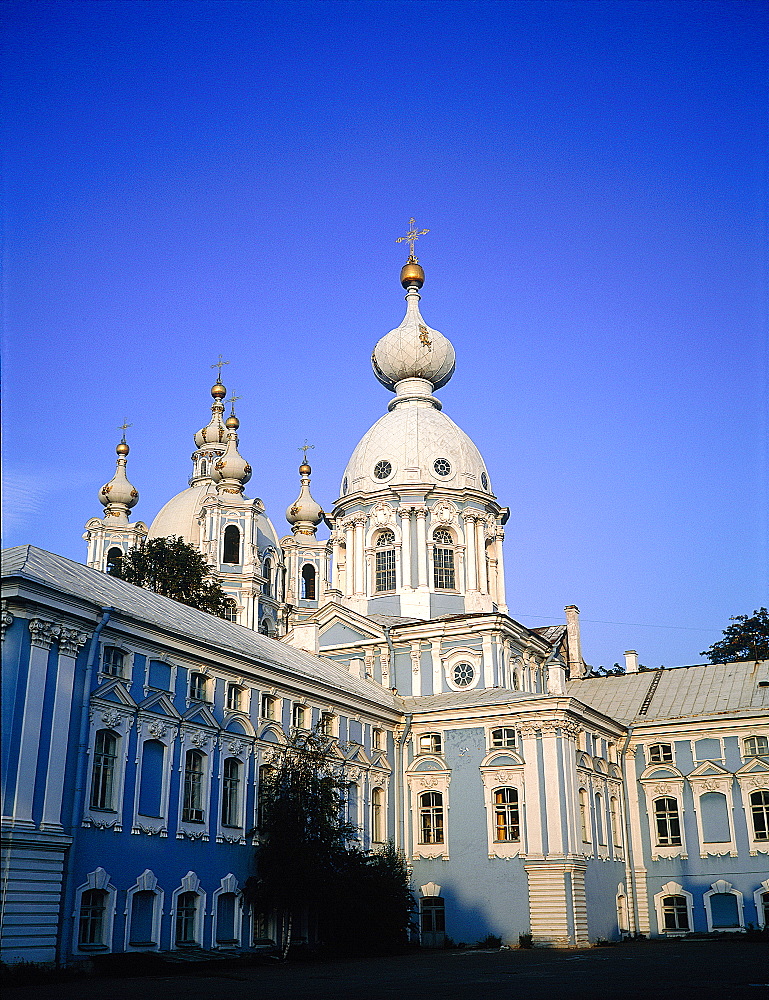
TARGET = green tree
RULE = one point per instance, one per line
(171, 567)
(747, 639)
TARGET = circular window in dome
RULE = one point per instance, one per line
(382, 469)
(463, 674)
(442, 467)
(344, 485)
(484, 481)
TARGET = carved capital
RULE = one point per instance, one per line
(6, 620)
(71, 640)
(43, 633)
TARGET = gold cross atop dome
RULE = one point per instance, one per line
(411, 237)
(305, 448)
(124, 427)
(232, 400)
(219, 364)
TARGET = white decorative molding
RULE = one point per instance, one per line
(43, 633)
(674, 889)
(429, 781)
(718, 888)
(6, 620)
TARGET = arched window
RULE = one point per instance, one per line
(151, 779)
(507, 825)
(443, 560)
(187, 918)
(92, 922)
(114, 561)
(599, 818)
(231, 544)
(759, 808)
(667, 822)
(192, 809)
(616, 826)
(265, 627)
(204, 468)
(431, 818)
(385, 563)
(231, 792)
(103, 775)
(377, 816)
(230, 612)
(675, 916)
(308, 582)
(226, 930)
(267, 574)
(584, 818)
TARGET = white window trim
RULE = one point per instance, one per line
(463, 654)
(764, 887)
(114, 720)
(97, 879)
(382, 783)
(429, 781)
(228, 884)
(723, 785)
(753, 776)
(203, 671)
(238, 747)
(508, 776)
(717, 888)
(128, 663)
(202, 741)
(673, 889)
(190, 883)
(245, 699)
(146, 882)
(664, 787)
(622, 895)
(163, 731)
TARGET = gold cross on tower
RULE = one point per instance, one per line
(124, 427)
(232, 400)
(305, 448)
(219, 364)
(411, 237)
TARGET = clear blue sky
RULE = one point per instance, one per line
(189, 178)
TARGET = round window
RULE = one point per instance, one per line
(463, 674)
(344, 485)
(382, 469)
(442, 467)
(484, 481)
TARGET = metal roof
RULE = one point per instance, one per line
(469, 699)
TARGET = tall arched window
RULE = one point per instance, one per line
(444, 577)
(377, 816)
(231, 792)
(192, 809)
(103, 775)
(267, 574)
(675, 916)
(231, 544)
(151, 779)
(308, 582)
(599, 818)
(759, 808)
(584, 818)
(616, 826)
(114, 560)
(431, 818)
(92, 923)
(507, 825)
(385, 563)
(230, 613)
(187, 918)
(667, 822)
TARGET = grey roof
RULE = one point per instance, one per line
(68, 577)
(550, 633)
(468, 699)
(705, 689)
(392, 620)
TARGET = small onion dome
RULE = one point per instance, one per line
(232, 471)
(118, 494)
(305, 514)
(232, 423)
(412, 274)
(218, 391)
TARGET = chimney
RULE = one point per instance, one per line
(631, 661)
(576, 664)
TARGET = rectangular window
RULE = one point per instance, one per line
(234, 697)
(503, 738)
(443, 561)
(675, 916)
(385, 570)
(667, 822)
(231, 793)
(92, 913)
(376, 739)
(192, 809)
(198, 687)
(431, 818)
(661, 753)
(430, 743)
(269, 707)
(112, 661)
(506, 820)
(300, 717)
(328, 724)
(103, 775)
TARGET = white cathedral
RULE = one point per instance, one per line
(528, 796)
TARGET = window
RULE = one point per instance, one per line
(377, 816)
(187, 918)
(268, 708)
(231, 544)
(443, 560)
(763, 909)
(377, 739)
(442, 467)
(724, 910)
(503, 738)
(584, 819)
(114, 561)
(757, 746)
(328, 723)
(430, 743)
(141, 928)
(230, 613)
(759, 808)
(484, 481)
(103, 775)
(93, 911)
(192, 809)
(352, 804)
(714, 818)
(462, 674)
(226, 930)
(667, 822)
(231, 792)
(267, 574)
(382, 469)
(675, 916)
(234, 698)
(160, 675)
(266, 774)
(151, 778)
(198, 684)
(661, 753)
(431, 818)
(264, 627)
(385, 562)
(308, 582)
(300, 717)
(506, 819)
(112, 661)
(616, 826)
(599, 818)
(433, 919)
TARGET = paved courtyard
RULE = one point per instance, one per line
(679, 970)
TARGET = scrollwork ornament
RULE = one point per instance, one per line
(6, 620)
(157, 729)
(199, 740)
(382, 514)
(236, 747)
(71, 640)
(43, 633)
(111, 718)
(444, 512)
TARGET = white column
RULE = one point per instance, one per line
(472, 580)
(42, 634)
(437, 669)
(501, 596)
(480, 542)
(405, 514)
(422, 546)
(416, 669)
(349, 559)
(360, 572)
(70, 642)
(534, 807)
(488, 662)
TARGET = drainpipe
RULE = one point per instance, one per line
(81, 765)
(400, 778)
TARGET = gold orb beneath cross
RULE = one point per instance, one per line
(218, 391)
(412, 274)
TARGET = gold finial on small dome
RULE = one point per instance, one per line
(218, 391)
(122, 448)
(232, 423)
(304, 468)
(411, 272)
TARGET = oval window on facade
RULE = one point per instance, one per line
(382, 469)
(344, 485)
(484, 481)
(463, 674)
(442, 467)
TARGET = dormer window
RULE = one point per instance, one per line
(113, 661)
(430, 743)
(231, 545)
(198, 685)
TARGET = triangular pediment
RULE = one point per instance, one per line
(709, 769)
(114, 690)
(357, 755)
(201, 715)
(756, 765)
(340, 625)
(160, 704)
